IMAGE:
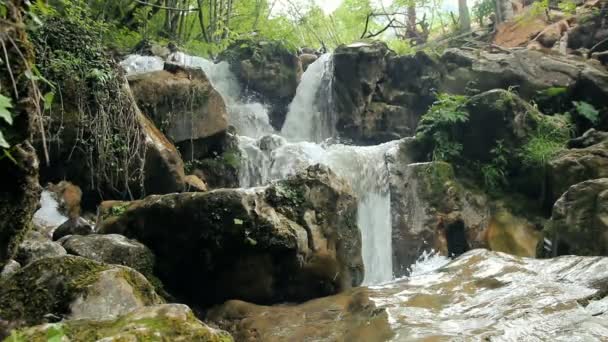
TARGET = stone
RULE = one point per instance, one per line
(111, 249)
(36, 246)
(74, 288)
(293, 240)
(589, 138)
(10, 268)
(576, 165)
(181, 101)
(349, 316)
(579, 221)
(268, 71)
(307, 59)
(77, 226)
(194, 183)
(553, 33)
(164, 322)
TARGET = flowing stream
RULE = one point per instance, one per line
(304, 140)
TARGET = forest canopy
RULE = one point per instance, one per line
(206, 27)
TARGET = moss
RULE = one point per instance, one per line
(141, 287)
(46, 286)
(434, 180)
(160, 327)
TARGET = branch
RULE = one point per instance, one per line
(389, 25)
(165, 7)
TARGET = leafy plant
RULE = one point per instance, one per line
(6, 116)
(494, 173)
(546, 142)
(587, 111)
(436, 126)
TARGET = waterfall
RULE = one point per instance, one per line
(310, 113)
(268, 156)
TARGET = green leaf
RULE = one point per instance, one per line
(587, 111)
(48, 100)
(3, 142)
(5, 105)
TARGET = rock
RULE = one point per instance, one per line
(269, 71)
(194, 183)
(553, 33)
(576, 165)
(307, 59)
(379, 96)
(589, 138)
(77, 226)
(350, 316)
(579, 222)
(74, 288)
(431, 209)
(181, 101)
(68, 197)
(35, 246)
(589, 31)
(10, 268)
(483, 293)
(293, 240)
(150, 48)
(111, 249)
(527, 71)
(166, 322)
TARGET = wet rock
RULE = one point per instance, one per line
(588, 32)
(579, 221)
(10, 268)
(78, 226)
(167, 322)
(74, 288)
(181, 101)
(307, 59)
(576, 165)
(35, 246)
(589, 138)
(294, 240)
(269, 71)
(379, 96)
(350, 316)
(111, 249)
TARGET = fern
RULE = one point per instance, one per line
(587, 111)
(546, 143)
(5, 114)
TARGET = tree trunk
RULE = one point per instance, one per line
(463, 16)
(19, 189)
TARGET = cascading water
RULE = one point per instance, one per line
(269, 156)
(310, 114)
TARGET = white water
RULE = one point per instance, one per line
(48, 215)
(268, 156)
(309, 117)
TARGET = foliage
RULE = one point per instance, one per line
(5, 114)
(567, 6)
(546, 142)
(495, 173)
(482, 10)
(436, 126)
(587, 111)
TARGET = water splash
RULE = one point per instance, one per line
(137, 64)
(310, 116)
(427, 262)
(48, 216)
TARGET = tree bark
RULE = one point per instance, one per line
(464, 19)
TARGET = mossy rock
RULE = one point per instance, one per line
(75, 287)
(162, 323)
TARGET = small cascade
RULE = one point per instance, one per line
(310, 113)
(137, 64)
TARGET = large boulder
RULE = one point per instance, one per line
(36, 246)
(72, 287)
(349, 316)
(379, 96)
(432, 209)
(529, 72)
(268, 71)
(293, 240)
(166, 322)
(576, 165)
(111, 249)
(181, 101)
(579, 221)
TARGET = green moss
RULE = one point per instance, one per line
(159, 327)
(46, 286)
(141, 287)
